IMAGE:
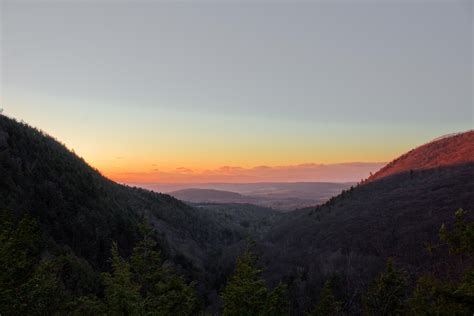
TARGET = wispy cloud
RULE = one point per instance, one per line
(342, 172)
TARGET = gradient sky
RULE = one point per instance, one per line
(151, 88)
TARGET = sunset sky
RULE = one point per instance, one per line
(156, 91)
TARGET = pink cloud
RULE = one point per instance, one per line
(308, 172)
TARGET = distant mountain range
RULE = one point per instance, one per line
(279, 196)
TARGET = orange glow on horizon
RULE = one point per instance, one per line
(342, 172)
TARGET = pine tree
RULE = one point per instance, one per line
(387, 295)
(146, 261)
(42, 294)
(277, 304)
(432, 297)
(121, 293)
(27, 284)
(461, 238)
(172, 297)
(19, 253)
(86, 305)
(246, 292)
(165, 292)
(327, 304)
(453, 296)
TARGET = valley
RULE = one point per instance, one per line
(349, 234)
(284, 197)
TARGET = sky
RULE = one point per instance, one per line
(176, 91)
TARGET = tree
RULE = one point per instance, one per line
(86, 305)
(387, 294)
(460, 239)
(327, 304)
(145, 260)
(277, 304)
(19, 253)
(121, 293)
(452, 295)
(28, 285)
(172, 296)
(42, 294)
(246, 292)
(165, 292)
(429, 298)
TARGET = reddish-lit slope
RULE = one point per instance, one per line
(445, 151)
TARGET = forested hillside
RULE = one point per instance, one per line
(73, 242)
(449, 150)
(352, 235)
(81, 213)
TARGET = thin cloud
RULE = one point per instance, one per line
(308, 172)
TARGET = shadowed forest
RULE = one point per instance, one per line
(75, 243)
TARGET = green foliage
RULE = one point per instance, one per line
(77, 275)
(18, 255)
(121, 293)
(246, 292)
(145, 260)
(65, 283)
(27, 284)
(327, 304)
(42, 294)
(387, 294)
(433, 296)
(86, 305)
(19, 248)
(165, 292)
(172, 296)
(429, 298)
(461, 239)
(277, 304)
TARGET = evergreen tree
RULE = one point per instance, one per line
(327, 304)
(277, 304)
(20, 246)
(387, 294)
(86, 305)
(165, 292)
(28, 286)
(246, 292)
(121, 293)
(42, 294)
(454, 296)
(432, 297)
(172, 296)
(460, 239)
(145, 260)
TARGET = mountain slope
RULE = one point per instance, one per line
(444, 151)
(353, 234)
(81, 210)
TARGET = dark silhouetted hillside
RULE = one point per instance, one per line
(352, 235)
(82, 212)
(347, 239)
